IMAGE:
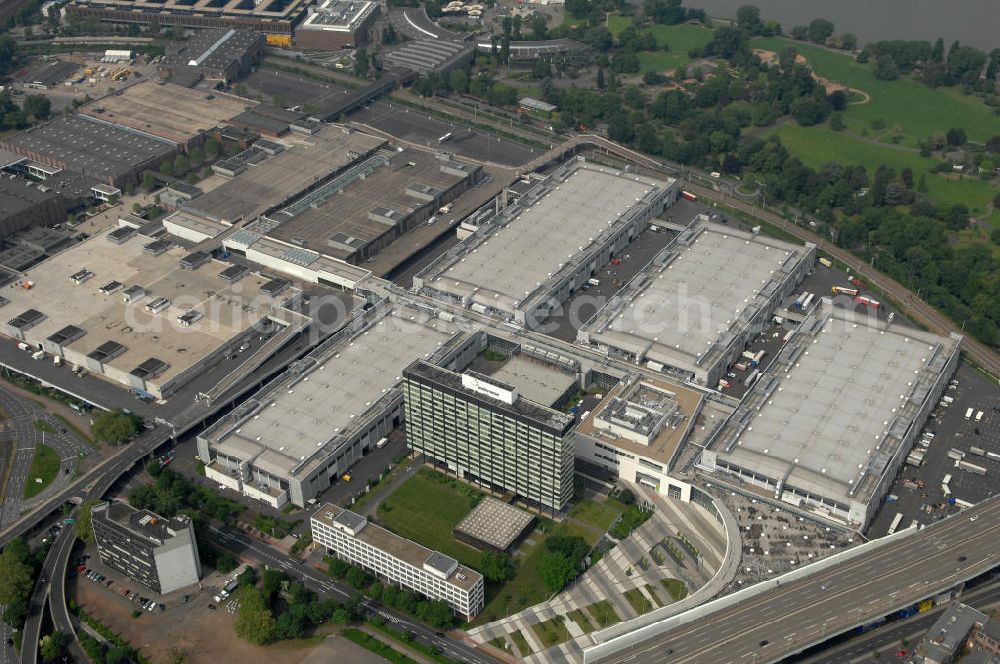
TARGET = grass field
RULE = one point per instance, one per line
(44, 465)
(917, 109)
(426, 509)
(521, 643)
(652, 593)
(638, 601)
(552, 631)
(581, 619)
(604, 613)
(675, 588)
(680, 38)
(599, 515)
(818, 145)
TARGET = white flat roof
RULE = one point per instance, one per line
(523, 254)
(836, 407)
(296, 417)
(692, 302)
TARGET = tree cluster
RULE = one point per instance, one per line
(115, 426)
(562, 560)
(281, 609)
(435, 613)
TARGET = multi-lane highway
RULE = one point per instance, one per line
(774, 624)
(324, 586)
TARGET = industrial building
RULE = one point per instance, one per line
(110, 154)
(693, 309)
(293, 439)
(159, 553)
(483, 430)
(276, 17)
(272, 181)
(336, 24)
(398, 561)
(24, 203)
(429, 55)
(531, 255)
(829, 424)
(370, 204)
(122, 306)
(170, 112)
(637, 431)
(216, 55)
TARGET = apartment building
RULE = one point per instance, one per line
(397, 560)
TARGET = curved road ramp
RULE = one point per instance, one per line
(785, 615)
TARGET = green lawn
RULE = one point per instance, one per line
(680, 38)
(916, 108)
(551, 632)
(604, 613)
(521, 643)
(676, 588)
(652, 593)
(599, 515)
(818, 145)
(581, 619)
(638, 601)
(44, 465)
(426, 508)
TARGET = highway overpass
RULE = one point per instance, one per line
(783, 616)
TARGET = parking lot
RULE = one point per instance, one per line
(187, 630)
(918, 491)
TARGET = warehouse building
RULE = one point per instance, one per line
(293, 439)
(24, 204)
(272, 181)
(336, 24)
(533, 254)
(78, 305)
(110, 154)
(398, 561)
(637, 431)
(833, 419)
(159, 553)
(483, 430)
(370, 204)
(274, 17)
(169, 112)
(429, 55)
(692, 311)
(216, 55)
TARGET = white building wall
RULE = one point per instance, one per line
(177, 562)
(463, 602)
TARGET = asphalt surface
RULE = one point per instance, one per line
(416, 127)
(324, 586)
(890, 636)
(24, 415)
(787, 619)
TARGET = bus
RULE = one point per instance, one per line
(826, 261)
(840, 290)
(689, 196)
(895, 523)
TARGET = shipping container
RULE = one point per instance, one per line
(972, 468)
(978, 451)
(946, 479)
(655, 366)
(968, 414)
(958, 455)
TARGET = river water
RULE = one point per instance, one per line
(973, 22)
